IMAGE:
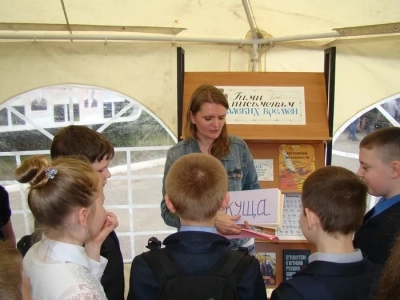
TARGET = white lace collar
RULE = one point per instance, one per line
(60, 251)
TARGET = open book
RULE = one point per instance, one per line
(257, 207)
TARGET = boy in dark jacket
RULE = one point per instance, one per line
(334, 202)
(196, 189)
(380, 169)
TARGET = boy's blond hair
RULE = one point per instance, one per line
(338, 197)
(386, 140)
(196, 185)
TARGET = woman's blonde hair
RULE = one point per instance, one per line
(208, 94)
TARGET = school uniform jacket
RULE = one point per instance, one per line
(377, 234)
(196, 252)
(343, 281)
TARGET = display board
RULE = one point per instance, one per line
(285, 148)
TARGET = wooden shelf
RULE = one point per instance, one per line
(264, 140)
(316, 128)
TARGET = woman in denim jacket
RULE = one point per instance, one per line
(206, 132)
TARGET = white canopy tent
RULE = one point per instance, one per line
(130, 47)
(145, 70)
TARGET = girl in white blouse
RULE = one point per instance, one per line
(66, 198)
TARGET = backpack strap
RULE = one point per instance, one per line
(309, 288)
(171, 267)
(160, 261)
(232, 265)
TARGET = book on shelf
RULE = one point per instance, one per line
(296, 162)
(267, 267)
(294, 260)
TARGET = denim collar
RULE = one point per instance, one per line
(194, 146)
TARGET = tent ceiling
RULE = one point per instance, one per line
(223, 18)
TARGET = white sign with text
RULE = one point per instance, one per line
(277, 105)
(258, 207)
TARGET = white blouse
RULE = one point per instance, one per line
(60, 271)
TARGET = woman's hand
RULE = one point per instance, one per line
(225, 224)
(247, 225)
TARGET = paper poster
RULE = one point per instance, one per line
(267, 267)
(272, 105)
(296, 162)
(292, 210)
(264, 169)
(263, 206)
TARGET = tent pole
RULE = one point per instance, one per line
(162, 38)
(253, 34)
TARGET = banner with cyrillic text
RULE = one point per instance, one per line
(273, 105)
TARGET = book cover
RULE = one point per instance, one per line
(267, 267)
(294, 260)
(296, 162)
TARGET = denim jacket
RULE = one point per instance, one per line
(238, 164)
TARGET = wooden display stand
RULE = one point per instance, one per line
(264, 140)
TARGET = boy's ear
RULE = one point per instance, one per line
(395, 168)
(312, 219)
(225, 201)
(169, 204)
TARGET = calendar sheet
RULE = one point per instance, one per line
(290, 228)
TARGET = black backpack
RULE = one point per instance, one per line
(219, 284)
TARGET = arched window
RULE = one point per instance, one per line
(140, 140)
(346, 140)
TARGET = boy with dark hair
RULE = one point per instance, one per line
(334, 202)
(80, 140)
(196, 189)
(380, 169)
